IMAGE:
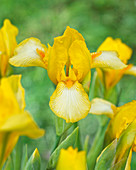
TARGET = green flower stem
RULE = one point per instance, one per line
(97, 145)
(78, 140)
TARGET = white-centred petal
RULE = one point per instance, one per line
(102, 107)
(26, 54)
(108, 59)
(71, 104)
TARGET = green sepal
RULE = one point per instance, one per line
(71, 140)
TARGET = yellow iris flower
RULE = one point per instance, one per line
(71, 159)
(8, 43)
(111, 77)
(14, 120)
(123, 116)
(68, 62)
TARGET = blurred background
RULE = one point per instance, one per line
(46, 19)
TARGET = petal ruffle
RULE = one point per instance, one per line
(29, 52)
(107, 59)
(102, 107)
(72, 104)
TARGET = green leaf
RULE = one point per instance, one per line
(97, 88)
(71, 140)
(24, 158)
(9, 164)
(61, 125)
(115, 156)
(34, 162)
(17, 155)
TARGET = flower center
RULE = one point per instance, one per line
(69, 83)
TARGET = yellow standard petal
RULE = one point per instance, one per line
(62, 53)
(80, 58)
(71, 159)
(100, 107)
(29, 52)
(58, 58)
(8, 43)
(122, 49)
(70, 101)
(107, 59)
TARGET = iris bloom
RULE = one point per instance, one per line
(123, 117)
(8, 43)
(111, 77)
(14, 120)
(71, 159)
(68, 63)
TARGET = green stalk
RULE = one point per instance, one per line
(78, 140)
(97, 145)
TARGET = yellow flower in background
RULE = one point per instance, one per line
(71, 159)
(14, 120)
(124, 115)
(68, 63)
(8, 43)
(111, 77)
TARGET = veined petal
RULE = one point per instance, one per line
(122, 49)
(70, 103)
(107, 59)
(100, 107)
(22, 124)
(80, 58)
(29, 52)
(131, 70)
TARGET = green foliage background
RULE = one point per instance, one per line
(46, 19)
